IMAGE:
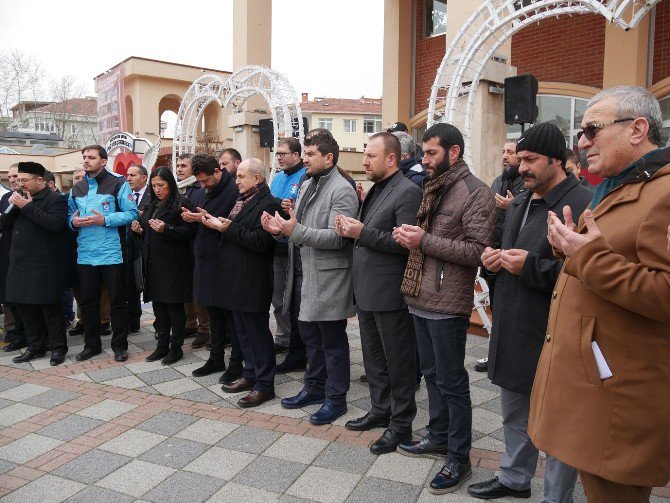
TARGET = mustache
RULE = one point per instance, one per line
(527, 175)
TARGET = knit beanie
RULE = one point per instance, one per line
(544, 138)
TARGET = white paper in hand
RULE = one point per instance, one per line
(603, 369)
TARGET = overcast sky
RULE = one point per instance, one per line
(324, 47)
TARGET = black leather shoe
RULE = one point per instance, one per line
(231, 375)
(120, 356)
(389, 441)
(210, 367)
(423, 448)
(87, 354)
(173, 356)
(482, 365)
(289, 366)
(367, 422)
(158, 354)
(493, 489)
(56, 359)
(28, 355)
(15, 345)
(452, 476)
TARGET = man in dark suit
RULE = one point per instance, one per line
(387, 335)
(137, 177)
(247, 257)
(219, 198)
(35, 276)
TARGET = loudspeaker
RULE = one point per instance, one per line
(520, 99)
(294, 123)
(266, 132)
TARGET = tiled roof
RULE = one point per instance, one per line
(344, 105)
(74, 106)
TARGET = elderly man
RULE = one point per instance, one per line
(247, 254)
(387, 333)
(526, 271)
(35, 276)
(320, 276)
(599, 400)
(455, 224)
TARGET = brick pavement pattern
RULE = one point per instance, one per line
(137, 431)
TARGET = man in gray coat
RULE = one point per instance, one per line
(319, 277)
(387, 333)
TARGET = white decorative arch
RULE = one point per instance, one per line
(453, 92)
(273, 86)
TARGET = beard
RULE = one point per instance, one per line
(440, 169)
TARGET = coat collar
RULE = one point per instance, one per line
(42, 193)
(262, 192)
(551, 198)
(395, 180)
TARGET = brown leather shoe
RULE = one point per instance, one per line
(254, 399)
(241, 384)
(200, 340)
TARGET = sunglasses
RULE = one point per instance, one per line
(592, 130)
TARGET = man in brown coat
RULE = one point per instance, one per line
(600, 397)
(455, 223)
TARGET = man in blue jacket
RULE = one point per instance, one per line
(284, 187)
(100, 207)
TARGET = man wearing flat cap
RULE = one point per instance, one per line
(526, 271)
(35, 276)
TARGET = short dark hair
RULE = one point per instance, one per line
(143, 170)
(233, 153)
(391, 143)
(292, 143)
(571, 155)
(448, 134)
(101, 150)
(203, 163)
(324, 142)
(49, 177)
(166, 174)
(185, 156)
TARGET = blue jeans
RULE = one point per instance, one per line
(441, 346)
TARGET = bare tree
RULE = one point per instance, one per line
(21, 77)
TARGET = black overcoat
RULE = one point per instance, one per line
(247, 255)
(521, 303)
(35, 274)
(167, 257)
(217, 201)
(5, 245)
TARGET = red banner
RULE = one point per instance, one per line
(111, 104)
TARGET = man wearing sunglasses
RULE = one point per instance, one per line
(599, 400)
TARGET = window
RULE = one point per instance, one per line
(326, 123)
(665, 112)
(563, 111)
(350, 125)
(372, 125)
(435, 22)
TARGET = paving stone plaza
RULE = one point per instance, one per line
(110, 432)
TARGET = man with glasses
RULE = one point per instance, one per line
(35, 276)
(599, 400)
(284, 187)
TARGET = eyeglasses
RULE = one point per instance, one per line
(591, 130)
(281, 154)
(25, 180)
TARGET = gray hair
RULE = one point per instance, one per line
(255, 167)
(407, 145)
(634, 101)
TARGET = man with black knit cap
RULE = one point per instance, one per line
(35, 275)
(526, 271)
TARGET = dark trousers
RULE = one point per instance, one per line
(258, 348)
(132, 297)
(67, 304)
(170, 324)
(91, 279)
(328, 357)
(442, 351)
(19, 330)
(222, 328)
(297, 352)
(35, 317)
(389, 358)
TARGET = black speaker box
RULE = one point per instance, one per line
(266, 132)
(521, 99)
